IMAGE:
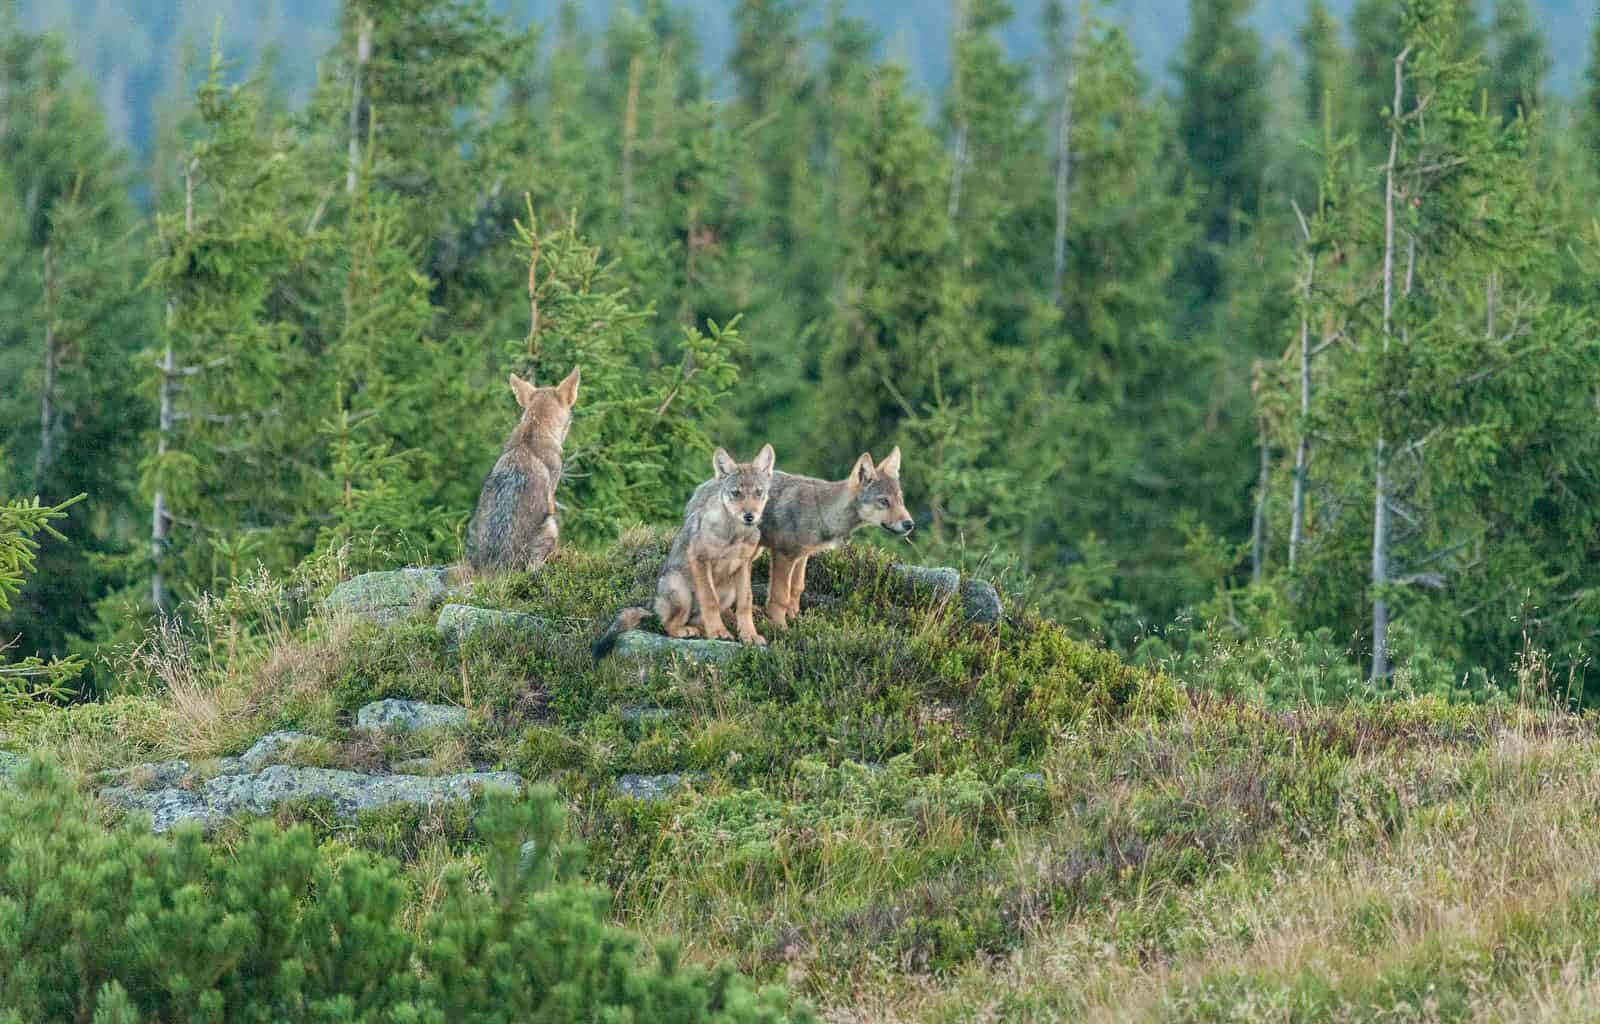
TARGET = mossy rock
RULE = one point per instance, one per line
(393, 715)
(980, 602)
(458, 623)
(636, 643)
(385, 598)
(348, 793)
(650, 787)
(10, 764)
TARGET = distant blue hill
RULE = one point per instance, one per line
(134, 50)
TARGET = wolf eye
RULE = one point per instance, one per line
(883, 502)
(736, 493)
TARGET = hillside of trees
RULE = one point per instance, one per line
(1262, 381)
(137, 51)
(1247, 357)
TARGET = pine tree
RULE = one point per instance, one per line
(1519, 61)
(891, 346)
(1221, 113)
(1588, 109)
(72, 320)
(993, 148)
(1325, 69)
(1451, 379)
(230, 479)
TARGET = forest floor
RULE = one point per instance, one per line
(906, 815)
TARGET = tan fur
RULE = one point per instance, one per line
(805, 515)
(514, 526)
(707, 571)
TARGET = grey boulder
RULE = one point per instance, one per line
(650, 787)
(274, 746)
(391, 715)
(980, 602)
(349, 792)
(386, 598)
(460, 622)
(636, 643)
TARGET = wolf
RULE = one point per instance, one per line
(707, 571)
(805, 515)
(515, 524)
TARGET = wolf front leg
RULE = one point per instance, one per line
(797, 584)
(778, 589)
(744, 607)
(705, 596)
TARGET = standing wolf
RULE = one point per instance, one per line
(707, 571)
(515, 524)
(806, 515)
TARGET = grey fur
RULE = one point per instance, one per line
(514, 526)
(805, 515)
(709, 557)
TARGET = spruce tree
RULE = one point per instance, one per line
(72, 321)
(1452, 383)
(1221, 113)
(892, 344)
(1518, 61)
(1325, 75)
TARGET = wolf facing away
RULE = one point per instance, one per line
(514, 526)
(707, 571)
(805, 515)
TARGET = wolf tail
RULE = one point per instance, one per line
(626, 619)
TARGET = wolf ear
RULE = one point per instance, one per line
(863, 472)
(722, 463)
(764, 459)
(567, 390)
(891, 465)
(523, 390)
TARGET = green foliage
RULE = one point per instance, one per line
(24, 683)
(116, 924)
(1221, 111)
(71, 321)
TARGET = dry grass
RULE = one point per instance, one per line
(1521, 843)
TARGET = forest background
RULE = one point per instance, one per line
(1277, 336)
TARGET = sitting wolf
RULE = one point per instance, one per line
(515, 524)
(707, 571)
(805, 515)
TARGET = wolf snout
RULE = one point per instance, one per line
(749, 518)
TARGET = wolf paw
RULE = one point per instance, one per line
(720, 633)
(752, 637)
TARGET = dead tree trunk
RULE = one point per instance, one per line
(160, 519)
(1302, 454)
(958, 159)
(1258, 532)
(363, 54)
(630, 131)
(1380, 501)
(52, 362)
(1063, 171)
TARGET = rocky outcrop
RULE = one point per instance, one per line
(650, 787)
(225, 796)
(458, 623)
(636, 643)
(274, 746)
(393, 715)
(980, 602)
(386, 598)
